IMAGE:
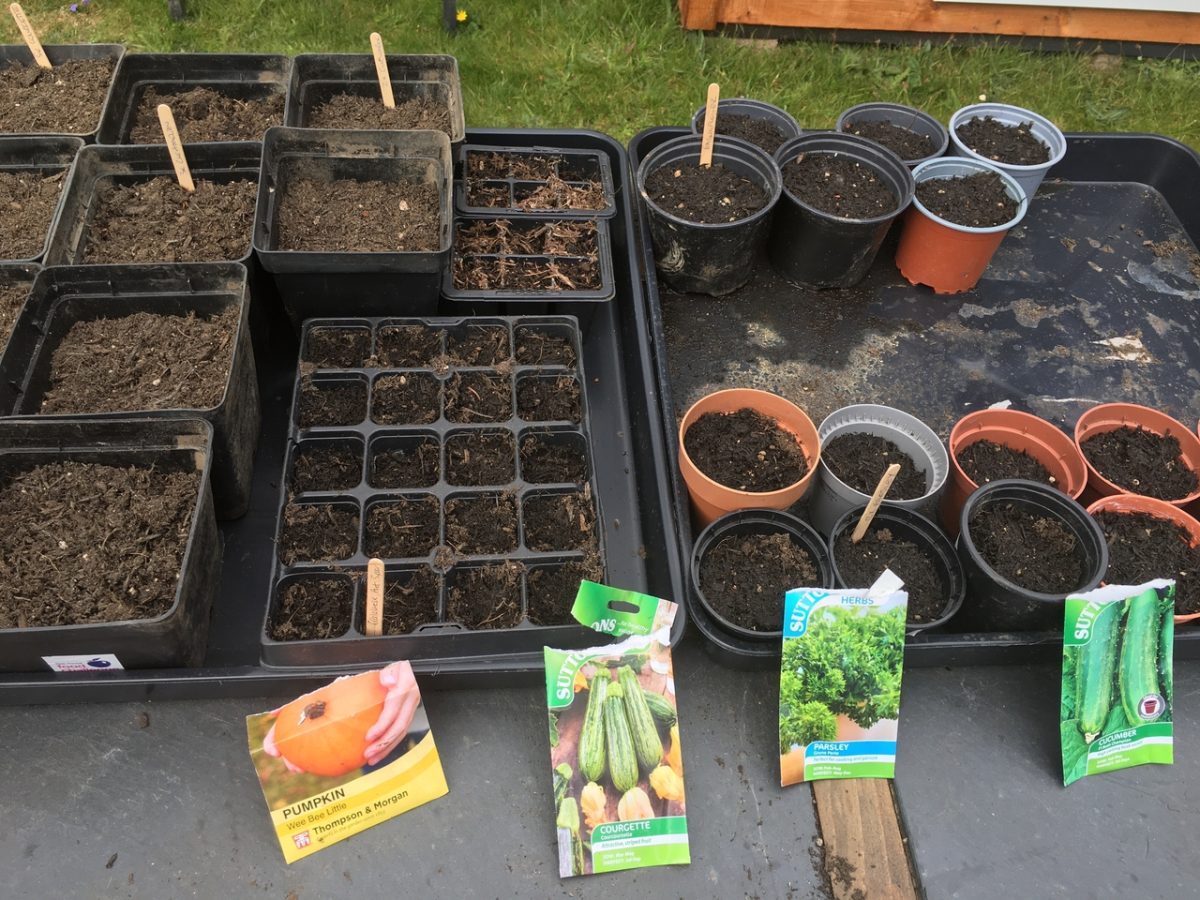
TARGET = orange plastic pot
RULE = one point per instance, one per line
(1046, 443)
(710, 499)
(1110, 417)
(946, 256)
(1160, 509)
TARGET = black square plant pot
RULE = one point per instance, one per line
(508, 187)
(178, 636)
(241, 76)
(64, 295)
(318, 76)
(16, 281)
(41, 157)
(314, 283)
(18, 54)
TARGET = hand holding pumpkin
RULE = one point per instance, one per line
(399, 707)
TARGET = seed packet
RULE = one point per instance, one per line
(614, 739)
(839, 682)
(342, 758)
(1117, 687)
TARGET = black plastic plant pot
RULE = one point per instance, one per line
(907, 117)
(178, 636)
(532, 181)
(319, 283)
(907, 525)
(758, 522)
(16, 281)
(753, 109)
(813, 248)
(65, 295)
(41, 158)
(18, 54)
(711, 259)
(246, 77)
(316, 77)
(997, 604)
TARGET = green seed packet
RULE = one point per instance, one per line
(1117, 679)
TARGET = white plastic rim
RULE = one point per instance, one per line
(951, 167)
(1041, 127)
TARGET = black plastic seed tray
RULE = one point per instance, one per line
(515, 190)
(18, 54)
(630, 471)
(38, 157)
(16, 280)
(1091, 299)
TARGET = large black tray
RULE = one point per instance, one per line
(1106, 251)
(630, 462)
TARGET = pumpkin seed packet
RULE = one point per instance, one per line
(1117, 690)
(617, 772)
(345, 757)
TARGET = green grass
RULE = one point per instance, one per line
(621, 66)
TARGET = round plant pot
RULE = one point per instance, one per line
(946, 256)
(1160, 509)
(1045, 442)
(711, 499)
(833, 498)
(754, 109)
(911, 526)
(1110, 417)
(903, 117)
(813, 248)
(1029, 177)
(998, 604)
(758, 521)
(709, 258)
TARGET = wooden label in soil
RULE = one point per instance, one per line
(29, 36)
(881, 490)
(175, 148)
(374, 617)
(710, 124)
(381, 71)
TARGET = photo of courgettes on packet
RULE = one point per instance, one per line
(614, 739)
(1117, 679)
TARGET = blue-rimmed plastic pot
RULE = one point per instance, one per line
(704, 258)
(814, 248)
(780, 119)
(946, 256)
(1029, 177)
(907, 117)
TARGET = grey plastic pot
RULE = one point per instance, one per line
(755, 109)
(901, 116)
(1029, 177)
(833, 498)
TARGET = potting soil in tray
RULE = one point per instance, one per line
(904, 142)
(206, 114)
(1141, 462)
(1014, 145)
(12, 299)
(355, 111)
(838, 185)
(860, 459)
(1036, 552)
(978, 201)
(860, 564)
(348, 216)
(85, 542)
(985, 461)
(707, 195)
(64, 100)
(1142, 547)
(28, 199)
(504, 255)
(757, 131)
(157, 220)
(745, 450)
(744, 577)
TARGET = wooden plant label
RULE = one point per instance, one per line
(29, 36)
(381, 71)
(710, 125)
(175, 147)
(374, 619)
(881, 489)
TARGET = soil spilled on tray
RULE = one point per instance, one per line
(745, 450)
(744, 577)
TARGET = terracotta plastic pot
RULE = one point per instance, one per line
(711, 499)
(949, 257)
(1160, 509)
(1045, 442)
(1110, 417)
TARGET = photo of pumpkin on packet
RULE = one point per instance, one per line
(344, 757)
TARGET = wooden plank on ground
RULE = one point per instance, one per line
(866, 857)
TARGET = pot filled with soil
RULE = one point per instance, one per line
(1024, 547)
(960, 214)
(109, 544)
(745, 562)
(762, 124)
(858, 443)
(67, 99)
(746, 449)
(911, 134)
(915, 549)
(354, 222)
(708, 224)
(1131, 449)
(1150, 539)
(33, 172)
(215, 97)
(16, 281)
(992, 444)
(170, 342)
(1020, 143)
(520, 181)
(841, 194)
